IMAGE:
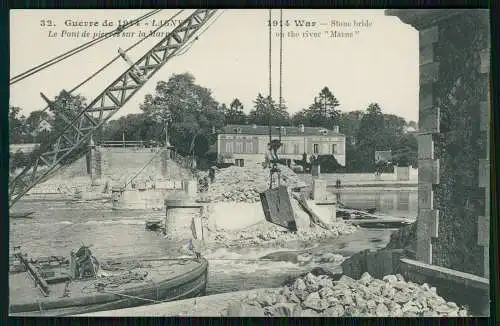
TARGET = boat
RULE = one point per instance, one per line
(154, 224)
(60, 287)
(21, 214)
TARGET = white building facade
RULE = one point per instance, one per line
(247, 144)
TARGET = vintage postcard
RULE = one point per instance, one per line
(216, 162)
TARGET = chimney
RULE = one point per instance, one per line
(302, 128)
(336, 129)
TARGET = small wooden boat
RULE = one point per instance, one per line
(154, 225)
(21, 214)
(48, 288)
(382, 223)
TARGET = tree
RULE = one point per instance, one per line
(369, 136)
(300, 118)
(65, 108)
(36, 127)
(68, 105)
(190, 108)
(381, 132)
(18, 160)
(17, 125)
(349, 124)
(321, 113)
(328, 104)
(234, 114)
(267, 111)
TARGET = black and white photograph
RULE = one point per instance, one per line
(249, 162)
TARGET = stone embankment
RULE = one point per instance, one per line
(323, 296)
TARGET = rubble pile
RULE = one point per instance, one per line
(322, 296)
(267, 233)
(243, 184)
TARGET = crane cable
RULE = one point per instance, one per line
(270, 76)
(78, 49)
(112, 61)
(118, 56)
(281, 82)
(270, 96)
(270, 89)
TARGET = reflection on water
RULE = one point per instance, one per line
(396, 202)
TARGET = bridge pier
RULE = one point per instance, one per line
(453, 140)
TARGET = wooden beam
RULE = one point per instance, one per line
(39, 280)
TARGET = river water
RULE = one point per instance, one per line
(401, 202)
(61, 226)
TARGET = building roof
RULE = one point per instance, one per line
(289, 131)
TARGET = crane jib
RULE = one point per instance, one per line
(106, 104)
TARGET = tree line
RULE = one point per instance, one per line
(194, 117)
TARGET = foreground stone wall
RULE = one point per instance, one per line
(453, 153)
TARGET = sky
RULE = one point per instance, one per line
(362, 56)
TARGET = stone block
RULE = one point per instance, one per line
(425, 147)
(413, 268)
(424, 250)
(428, 171)
(429, 119)
(428, 36)
(425, 196)
(429, 73)
(486, 262)
(483, 230)
(484, 115)
(319, 189)
(483, 86)
(487, 195)
(484, 173)
(426, 54)
(429, 219)
(426, 96)
(485, 55)
(327, 210)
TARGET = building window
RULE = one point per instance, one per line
(229, 147)
(316, 148)
(296, 149)
(249, 148)
(335, 148)
(239, 147)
